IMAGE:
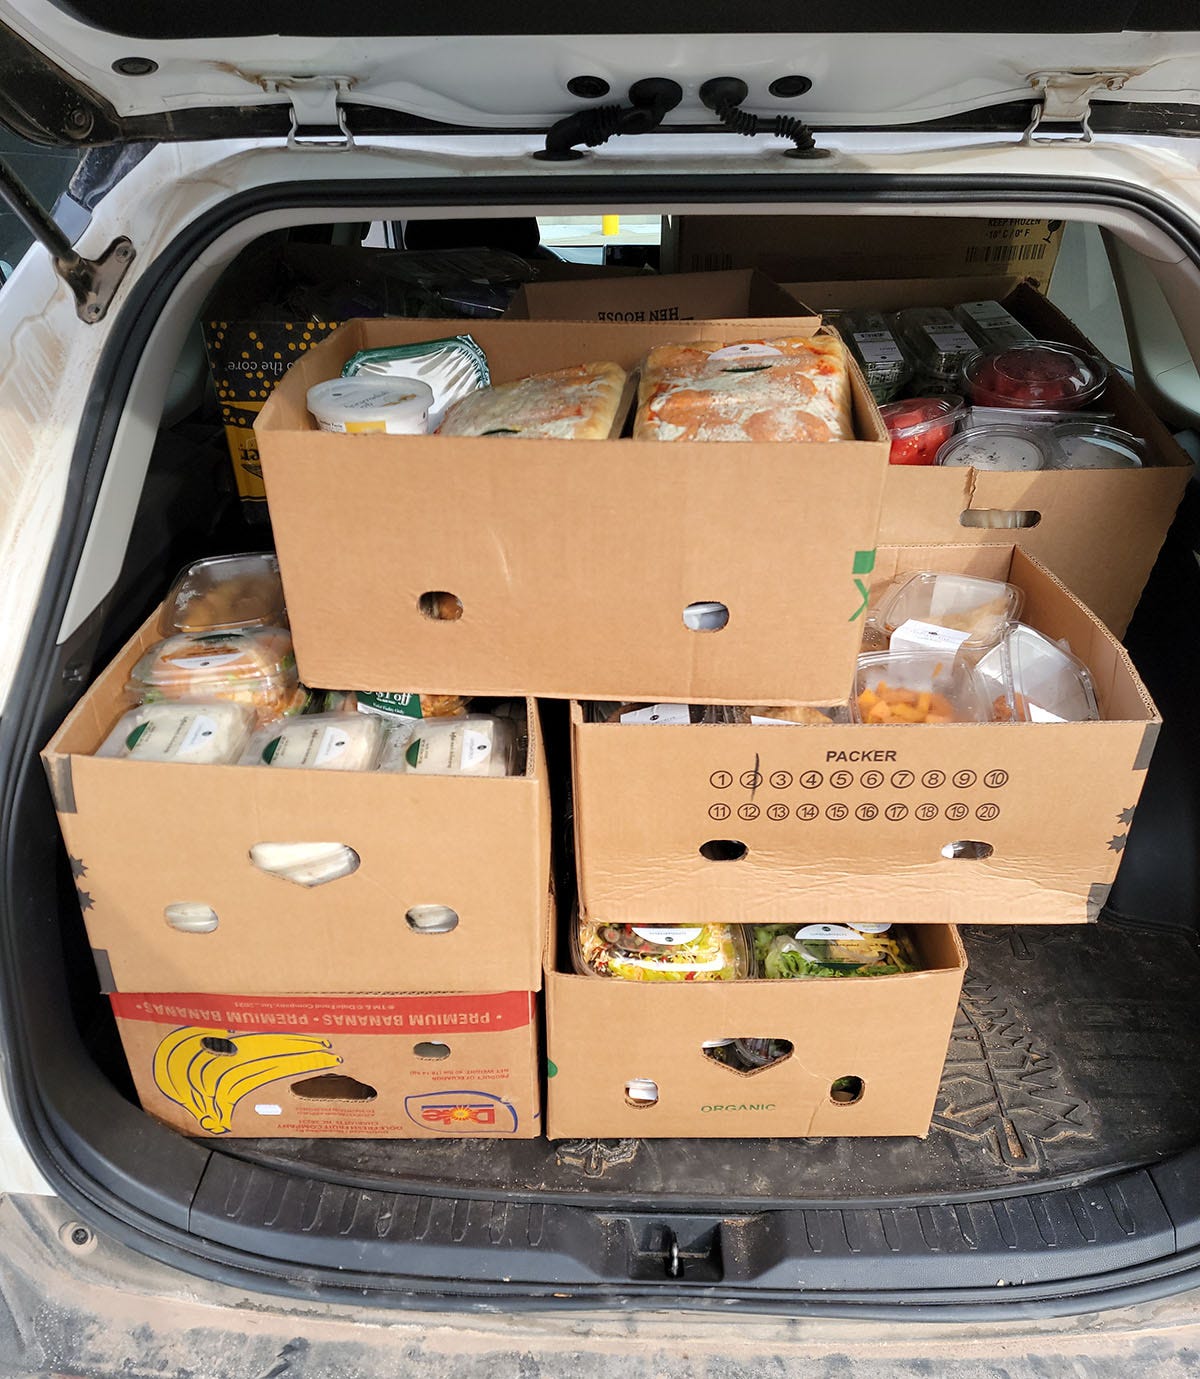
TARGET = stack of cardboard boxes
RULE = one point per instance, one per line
(571, 564)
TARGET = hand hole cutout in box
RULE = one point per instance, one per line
(439, 605)
(333, 1087)
(641, 1092)
(306, 864)
(431, 919)
(1000, 519)
(723, 850)
(969, 848)
(431, 1048)
(706, 616)
(191, 917)
(846, 1091)
(220, 1046)
(747, 1056)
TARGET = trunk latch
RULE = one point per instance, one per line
(1065, 98)
(318, 113)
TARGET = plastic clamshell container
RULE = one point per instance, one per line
(871, 340)
(661, 953)
(473, 745)
(786, 951)
(187, 734)
(225, 591)
(361, 406)
(999, 449)
(246, 665)
(979, 609)
(1088, 445)
(320, 742)
(920, 426)
(918, 687)
(1031, 679)
(1035, 376)
(935, 342)
(991, 326)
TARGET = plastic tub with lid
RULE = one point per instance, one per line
(245, 665)
(920, 426)
(1031, 679)
(911, 687)
(963, 610)
(225, 591)
(661, 952)
(1090, 445)
(1035, 376)
(360, 406)
(999, 449)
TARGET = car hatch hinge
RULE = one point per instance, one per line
(93, 282)
(318, 110)
(1065, 98)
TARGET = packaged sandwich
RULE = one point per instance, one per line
(474, 745)
(785, 951)
(194, 734)
(245, 665)
(319, 742)
(225, 591)
(789, 389)
(585, 402)
(661, 953)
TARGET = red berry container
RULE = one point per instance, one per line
(1035, 377)
(920, 426)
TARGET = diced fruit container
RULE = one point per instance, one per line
(911, 687)
(662, 953)
(223, 592)
(244, 665)
(871, 340)
(991, 326)
(187, 734)
(1036, 376)
(789, 951)
(999, 449)
(1031, 679)
(936, 345)
(920, 426)
(1089, 445)
(320, 742)
(978, 609)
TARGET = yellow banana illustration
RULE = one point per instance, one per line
(207, 1071)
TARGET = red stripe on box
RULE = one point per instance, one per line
(345, 1014)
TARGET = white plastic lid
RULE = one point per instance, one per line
(400, 406)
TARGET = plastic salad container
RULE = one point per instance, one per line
(196, 734)
(474, 745)
(246, 665)
(918, 687)
(320, 741)
(360, 406)
(1087, 445)
(920, 426)
(999, 448)
(661, 953)
(965, 610)
(1031, 679)
(1036, 376)
(451, 367)
(223, 592)
(784, 951)
(936, 345)
(871, 340)
(991, 326)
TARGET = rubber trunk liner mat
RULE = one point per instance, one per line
(1076, 1052)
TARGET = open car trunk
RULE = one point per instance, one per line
(1060, 1168)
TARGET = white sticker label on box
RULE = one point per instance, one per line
(1039, 715)
(877, 347)
(658, 713)
(667, 937)
(915, 635)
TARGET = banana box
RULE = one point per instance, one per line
(375, 1066)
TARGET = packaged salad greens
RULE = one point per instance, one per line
(784, 951)
(661, 953)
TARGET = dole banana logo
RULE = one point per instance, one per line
(208, 1071)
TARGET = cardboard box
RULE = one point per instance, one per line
(808, 247)
(333, 1067)
(890, 1033)
(144, 835)
(573, 560)
(1099, 530)
(852, 822)
(650, 297)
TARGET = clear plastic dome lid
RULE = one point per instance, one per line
(223, 592)
(972, 611)
(1035, 375)
(662, 952)
(909, 687)
(1031, 679)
